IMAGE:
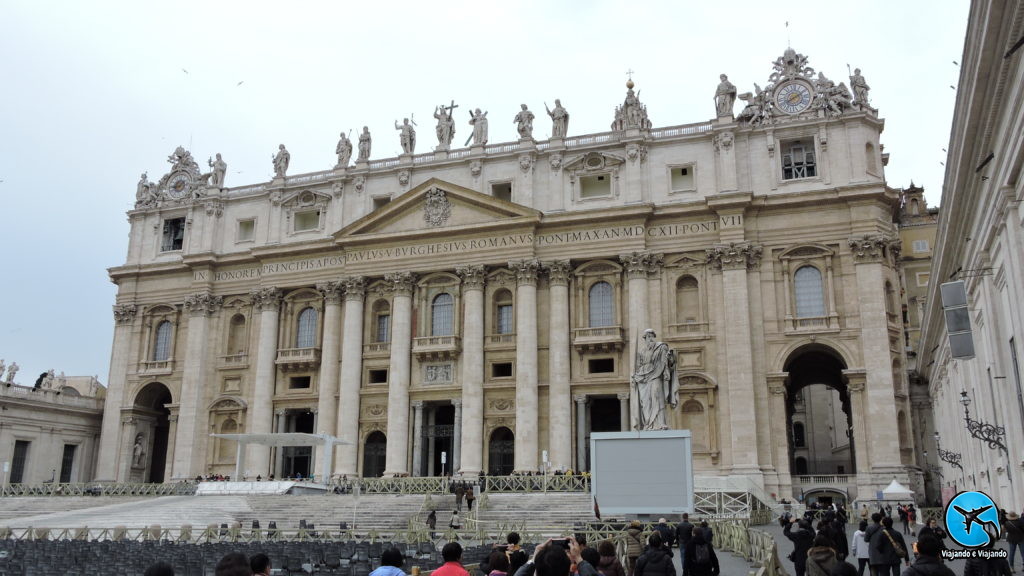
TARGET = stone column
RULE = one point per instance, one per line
(526, 364)
(172, 434)
(636, 290)
(581, 432)
(861, 420)
(189, 460)
(281, 417)
(110, 429)
(559, 402)
(330, 346)
(351, 377)
(457, 436)
(870, 254)
(734, 260)
(726, 161)
(470, 433)
(397, 459)
(779, 434)
(417, 438)
(623, 411)
(268, 301)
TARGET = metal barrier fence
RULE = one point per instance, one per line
(99, 489)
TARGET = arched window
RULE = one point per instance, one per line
(236, 335)
(501, 452)
(441, 315)
(915, 207)
(687, 300)
(375, 455)
(504, 323)
(810, 298)
(602, 309)
(306, 335)
(870, 161)
(799, 439)
(695, 420)
(381, 321)
(162, 345)
(800, 466)
(225, 448)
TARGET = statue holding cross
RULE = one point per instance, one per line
(445, 125)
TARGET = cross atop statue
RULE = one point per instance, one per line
(451, 107)
(629, 74)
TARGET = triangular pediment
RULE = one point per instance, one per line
(437, 205)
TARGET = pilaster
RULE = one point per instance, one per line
(470, 444)
(268, 302)
(110, 429)
(189, 459)
(401, 284)
(526, 364)
(327, 403)
(559, 402)
(351, 376)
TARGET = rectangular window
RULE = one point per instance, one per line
(502, 191)
(920, 246)
(379, 376)
(67, 463)
(682, 179)
(308, 220)
(922, 278)
(246, 230)
(599, 186)
(299, 382)
(174, 234)
(383, 327)
(18, 463)
(504, 319)
(501, 370)
(601, 365)
(380, 202)
(798, 160)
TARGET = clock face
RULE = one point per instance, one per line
(177, 186)
(793, 98)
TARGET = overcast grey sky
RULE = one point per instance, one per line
(96, 92)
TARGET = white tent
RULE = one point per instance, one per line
(897, 491)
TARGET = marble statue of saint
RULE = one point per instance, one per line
(860, 88)
(344, 151)
(654, 381)
(559, 119)
(281, 161)
(407, 137)
(524, 122)
(137, 452)
(48, 379)
(220, 169)
(478, 121)
(445, 125)
(142, 188)
(3, 366)
(364, 145)
(725, 96)
(12, 371)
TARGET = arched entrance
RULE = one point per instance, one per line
(819, 421)
(148, 444)
(374, 452)
(501, 452)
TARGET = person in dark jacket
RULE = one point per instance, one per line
(821, 557)
(1014, 528)
(802, 539)
(691, 567)
(886, 549)
(684, 532)
(668, 535)
(657, 560)
(609, 564)
(929, 562)
(933, 529)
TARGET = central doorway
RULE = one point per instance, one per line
(297, 461)
(152, 401)
(605, 416)
(438, 438)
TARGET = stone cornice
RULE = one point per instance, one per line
(268, 298)
(558, 272)
(525, 271)
(400, 283)
(733, 256)
(124, 313)
(473, 276)
(203, 303)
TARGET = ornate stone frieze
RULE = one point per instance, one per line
(214, 208)
(501, 405)
(268, 298)
(355, 287)
(436, 209)
(723, 142)
(526, 163)
(375, 411)
(437, 373)
(555, 161)
(338, 188)
(360, 183)
(636, 264)
(332, 291)
(525, 270)
(124, 313)
(735, 256)
(472, 276)
(203, 303)
(655, 262)
(636, 152)
(870, 247)
(400, 283)
(403, 178)
(476, 167)
(558, 272)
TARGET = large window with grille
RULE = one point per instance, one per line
(602, 306)
(173, 234)
(18, 462)
(305, 337)
(67, 462)
(441, 314)
(503, 322)
(798, 160)
(162, 345)
(810, 297)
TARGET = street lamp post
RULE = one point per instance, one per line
(947, 456)
(991, 434)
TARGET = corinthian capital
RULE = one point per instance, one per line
(735, 256)
(124, 313)
(401, 283)
(472, 276)
(268, 298)
(636, 264)
(355, 287)
(203, 303)
(331, 290)
(872, 247)
(558, 272)
(525, 270)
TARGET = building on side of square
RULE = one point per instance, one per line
(980, 240)
(484, 304)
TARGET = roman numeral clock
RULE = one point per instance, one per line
(793, 97)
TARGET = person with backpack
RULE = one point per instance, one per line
(886, 548)
(802, 539)
(634, 545)
(699, 558)
(657, 560)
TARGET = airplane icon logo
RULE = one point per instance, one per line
(967, 510)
